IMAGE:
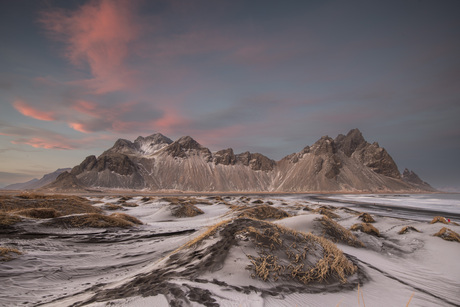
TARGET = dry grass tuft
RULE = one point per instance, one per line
(7, 219)
(366, 218)
(281, 252)
(258, 201)
(5, 253)
(186, 210)
(406, 229)
(210, 231)
(286, 253)
(439, 219)
(367, 228)
(125, 198)
(39, 213)
(34, 196)
(130, 205)
(338, 233)
(327, 212)
(127, 217)
(263, 212)
(112, 207)
(92, 220)
(448, 235)
(173, 200)
(64, 204)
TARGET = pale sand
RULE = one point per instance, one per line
(64, 267)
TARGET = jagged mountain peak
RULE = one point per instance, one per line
(156, 138)
(152, 143)
(121, 146)
(185, 145)
(351, 142)
(325, 145)
(187, 142)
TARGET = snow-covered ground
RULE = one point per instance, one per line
(61, 267)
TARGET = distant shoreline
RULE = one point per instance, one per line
(214, 193)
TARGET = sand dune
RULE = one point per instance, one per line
(224, 257)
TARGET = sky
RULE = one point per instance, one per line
(264, 76)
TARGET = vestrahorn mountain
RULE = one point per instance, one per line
(347, 163)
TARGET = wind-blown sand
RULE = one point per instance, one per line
(155, 264)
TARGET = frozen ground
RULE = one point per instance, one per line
(63, 267)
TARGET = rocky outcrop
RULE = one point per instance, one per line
(186, 146)
(346, 163)
(88, 164)
(225, 157)
(256, 161)
(378, 159)
(413, 179)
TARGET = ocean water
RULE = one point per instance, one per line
(422, 207)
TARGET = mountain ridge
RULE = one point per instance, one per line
(347, 163)
(37, 183)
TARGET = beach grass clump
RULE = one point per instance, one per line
(112, 207)
(337, 233)
(258, 201)
(92, 220)
(130, 205)
(366, 228)
(35, 196)
(406, 229)
(63, 204)
(263, 212)
(173, 200)
(439, 219)
(327, 212)
(289, 254)
(125, 198)
(7, 219)
(448, 234)
(39, 213)
(210, 231)
(6, 253)
(186, 210)
(273, 251)
(127, 217)
(366, 218)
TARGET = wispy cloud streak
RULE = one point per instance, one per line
(27, 110)
(98, 34)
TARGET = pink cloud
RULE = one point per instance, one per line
(44, 143)
(98, 34)
(79, 127)
(32, 112)
(42, 138)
